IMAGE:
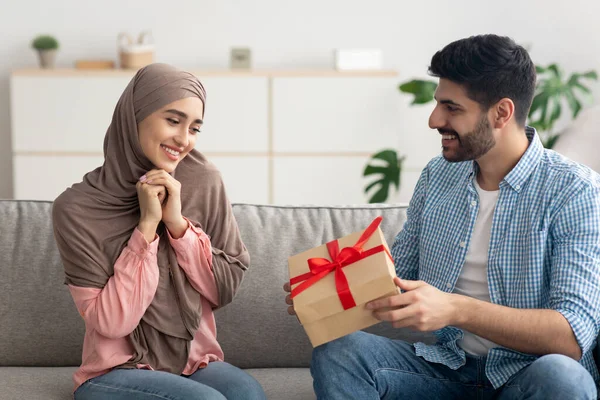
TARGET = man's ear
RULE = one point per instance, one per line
(502, 112)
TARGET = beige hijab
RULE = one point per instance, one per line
(94, 219)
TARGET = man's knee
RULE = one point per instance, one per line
(561, 374)
(337, 352)
(558, 367)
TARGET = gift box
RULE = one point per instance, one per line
(332, 283)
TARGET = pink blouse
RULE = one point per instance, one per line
(113, 312)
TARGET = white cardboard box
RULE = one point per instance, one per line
(358, 59)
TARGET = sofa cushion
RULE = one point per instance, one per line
(39, 324)
(36, 383)
(285, 383)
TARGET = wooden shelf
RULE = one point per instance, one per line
(67, 72)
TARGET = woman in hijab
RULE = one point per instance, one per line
(150, 248)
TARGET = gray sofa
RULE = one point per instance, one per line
(41, 332)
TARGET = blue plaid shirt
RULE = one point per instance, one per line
(544, 249)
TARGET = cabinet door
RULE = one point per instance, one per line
(339, 114)
(236, 117)
(246, 178)
(318, 180)
(39, 177)
(62, 113)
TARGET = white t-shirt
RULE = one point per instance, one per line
(472, 280)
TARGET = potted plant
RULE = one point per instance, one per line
(552, 91)
(47, 47)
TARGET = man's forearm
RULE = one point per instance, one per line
(532, 331)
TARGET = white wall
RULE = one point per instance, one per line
(293, 34)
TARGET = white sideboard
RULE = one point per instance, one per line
(279, 137)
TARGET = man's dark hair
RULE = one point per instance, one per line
(491, 68)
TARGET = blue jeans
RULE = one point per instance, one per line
(369, 367)
(218, 381)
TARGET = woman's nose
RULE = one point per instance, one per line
(182, 139)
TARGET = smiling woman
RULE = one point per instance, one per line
(168, 135)
(150, 247)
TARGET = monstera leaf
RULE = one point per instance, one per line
(386, 166)
(423, 91)
(551, 91)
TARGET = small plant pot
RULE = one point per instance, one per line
(47, 58)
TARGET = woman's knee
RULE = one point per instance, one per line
(244, 386)
(140, 384)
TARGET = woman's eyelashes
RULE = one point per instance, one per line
(173, 121)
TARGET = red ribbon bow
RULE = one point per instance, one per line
(320, 267)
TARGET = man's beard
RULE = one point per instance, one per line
(472, 145)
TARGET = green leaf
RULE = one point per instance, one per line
(541, 103)
(388, 174)
(574, 104)
(372, 185)
(544, 114)
(555, 113)
(580, 87)
(539, 100)
(538, 125)
(423, 91)
(546, 106)
(44, 42)
(374, 170)
(550, 141)
(555, 70)
(381, 195)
